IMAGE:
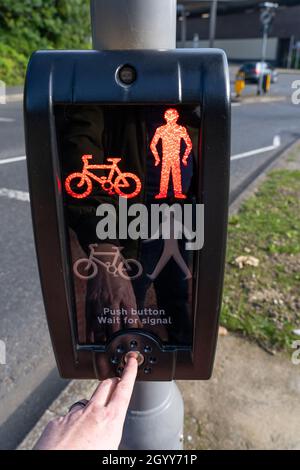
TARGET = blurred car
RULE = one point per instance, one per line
(253, 70)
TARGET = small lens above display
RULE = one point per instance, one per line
(127, 75)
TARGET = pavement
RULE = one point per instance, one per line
(251, 402)
(29, 382)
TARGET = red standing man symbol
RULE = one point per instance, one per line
(171, 135)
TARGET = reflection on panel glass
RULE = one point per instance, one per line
(129, 179)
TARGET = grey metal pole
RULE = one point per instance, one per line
(155, 418)
(290, 54)
(263, 59)
(182, 19)
(297, 58)
(133, 24)
(156, 412)
(213, 22)
(196, 40)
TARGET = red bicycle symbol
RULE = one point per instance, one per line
(80, 186)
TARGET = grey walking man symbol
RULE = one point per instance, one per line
(171, 249)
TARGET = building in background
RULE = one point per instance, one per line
(239, 30)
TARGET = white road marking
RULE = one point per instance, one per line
(14, 98)
(3, 119)
(24, 196)
(236, 104)
(276, 145)
(14, 194)
(12, 160)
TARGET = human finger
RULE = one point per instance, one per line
(121, 396)
(103, 392)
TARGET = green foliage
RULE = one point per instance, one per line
(28, 25)
(262, 302)
(12, 65)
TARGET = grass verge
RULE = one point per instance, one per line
(262, 299)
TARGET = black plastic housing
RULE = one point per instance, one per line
(82, 77)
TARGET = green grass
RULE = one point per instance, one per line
(263, 302)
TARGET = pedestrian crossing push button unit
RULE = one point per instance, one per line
(128, 164)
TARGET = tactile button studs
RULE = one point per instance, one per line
(147, 370)
(114, 360)
(152, 360)
(147, 349)
(120, 349)
(133, 344)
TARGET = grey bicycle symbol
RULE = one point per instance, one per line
(87, 268)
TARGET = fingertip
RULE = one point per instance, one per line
(132, 361)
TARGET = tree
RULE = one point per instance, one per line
(28, 25)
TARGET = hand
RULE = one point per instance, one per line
(184, 161)
(99, 424)
(157, 161)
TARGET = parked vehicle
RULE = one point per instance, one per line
(253, 70)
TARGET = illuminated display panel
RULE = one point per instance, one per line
(129, 183)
